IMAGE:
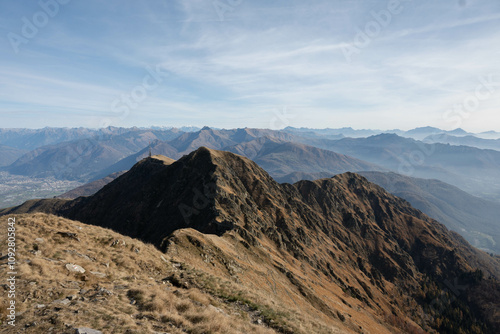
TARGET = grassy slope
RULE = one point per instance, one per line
(143, 290)
(132, 296)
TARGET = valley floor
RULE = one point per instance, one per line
(16, 189)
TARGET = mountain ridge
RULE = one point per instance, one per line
(351, 233)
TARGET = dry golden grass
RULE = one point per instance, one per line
(250, 278)
(132, 287)
(132, 297)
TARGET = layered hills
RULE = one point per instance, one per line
(340, 250)
(85, 155)
(474, 218)
(284, 160)
(471, 169)
(80, 159)
(490, 144)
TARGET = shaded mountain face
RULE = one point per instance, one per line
(474, 218)
(182, 192)
(325, 239)
(9, 154)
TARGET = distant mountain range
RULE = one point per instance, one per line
(14, 142)
(488, 135)
(417, 133)
(29, 139)
(289, 156)
(187, 142)
(328, 247)
(473, 141)
(282, 160)
(80, 159)
(468, 168)
(471, 169)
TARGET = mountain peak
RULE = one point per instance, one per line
(458, 131)
(350, 177)
(425, 129)
(201, 152)
(205, 155)
(385, 136)
(205, 151)
(166, 160)
(159, 195)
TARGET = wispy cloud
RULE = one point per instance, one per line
(436, 27)
(262, 56)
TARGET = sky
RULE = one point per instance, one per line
(251, 63)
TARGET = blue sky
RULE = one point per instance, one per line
(236, 63)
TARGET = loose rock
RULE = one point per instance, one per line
(70, 235)
(85, 330)
(74, 268)
(61, 302)
(98, 274)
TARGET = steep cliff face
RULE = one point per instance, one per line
(339, 248)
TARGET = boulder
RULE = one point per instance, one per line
(74, 268)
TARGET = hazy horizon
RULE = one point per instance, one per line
(197, 128)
